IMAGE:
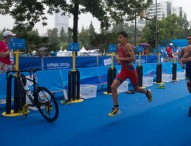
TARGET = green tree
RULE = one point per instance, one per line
(53, 43)
(129, 29)
(64, 45)
(62, 34)
(92, 34)
(125, 10)
(84, 38)
(171, 27)
(91, 29)
(186, 27)
(33, 40)
(69, 34)
(63, 39)
(86, 35)
(148, 33)
(103, 40)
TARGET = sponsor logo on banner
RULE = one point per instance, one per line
(107, 61)
(141, 61)
(58, 65)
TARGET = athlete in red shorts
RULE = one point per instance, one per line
(125, 56)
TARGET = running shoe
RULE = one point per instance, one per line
(149, 95)
(114, 112)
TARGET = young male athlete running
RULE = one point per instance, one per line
(187, 60)
(125, 57)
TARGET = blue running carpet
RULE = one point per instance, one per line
(163, 122)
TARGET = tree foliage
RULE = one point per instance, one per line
(103, 40)
(130, 29)
(86, 35)
(171, 27)
(84, 38)
(53, 43)
(28, 13)
(120, 10)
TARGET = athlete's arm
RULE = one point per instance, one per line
(184, 60)
(180, 55)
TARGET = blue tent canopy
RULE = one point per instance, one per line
(180, 42)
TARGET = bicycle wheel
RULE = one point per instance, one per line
(47, 104)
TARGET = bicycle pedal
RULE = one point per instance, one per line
(48, 107)
(25, 109)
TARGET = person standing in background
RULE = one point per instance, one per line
(170, 52)
(6, 64)
(164, 54)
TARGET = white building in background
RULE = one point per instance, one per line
(178, 11)
(164, 9)
(61, 21)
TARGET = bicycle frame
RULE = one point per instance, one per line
(40, 97)
(19, 77)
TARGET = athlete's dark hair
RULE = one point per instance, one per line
(123, 33)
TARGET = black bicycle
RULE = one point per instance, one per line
(39, 97)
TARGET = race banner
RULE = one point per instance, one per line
(57, 63)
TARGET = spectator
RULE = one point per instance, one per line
(164, 54)
(145, 51)
(170, 52)
(6, 63)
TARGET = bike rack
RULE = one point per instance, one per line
(74, 86)
(139, 70)
(111, 74)
(17, 100)
(8, 97)
(159, 74)
(9, 78)
(174, 69)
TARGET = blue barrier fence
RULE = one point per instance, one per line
(57, 63)
(57, 80)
